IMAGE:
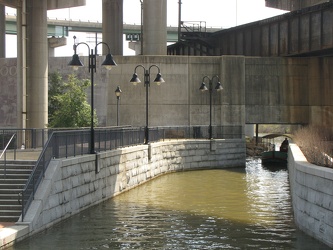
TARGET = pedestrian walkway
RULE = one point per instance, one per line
(23, 154)
(6, 224)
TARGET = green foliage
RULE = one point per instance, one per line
(68, 106)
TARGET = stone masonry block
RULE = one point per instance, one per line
(54, 200)
(75, 204)
(75, 181)
(66, 172)
(196, 158)
(192, 152)
(58, 187)
(67, 184)
(66, 197)
(68, 210)
(325, 186)
(328, 203)
(114, 170)
(134, 172)
(45, 218)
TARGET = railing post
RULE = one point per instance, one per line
(44, 166)
(55, 145)
(22, 205)
(42, 138)
(33, 187)
(15, 145)
(33, 138)
(5, 165)
(3, 139)
(82, 136)
(66, 146)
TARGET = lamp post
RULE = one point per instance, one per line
(118, 93)
(158, 80)
(76, 62)
(203, 88)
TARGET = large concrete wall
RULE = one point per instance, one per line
(289, 90)
(256, 90)
(71, 185)
(277, 90)
(312, 195)
(2, 31)
(8, 92)
(178, 101)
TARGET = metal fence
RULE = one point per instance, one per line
(194, 132)
(25, 138)
(70, 143)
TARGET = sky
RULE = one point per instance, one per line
(216, 14)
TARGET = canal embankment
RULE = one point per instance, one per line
(74, 184)
(312, 196)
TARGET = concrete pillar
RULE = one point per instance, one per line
(21, 69)
(54, 42)
(113, 26)
(37, 64)
(154, 27)
(2, 31)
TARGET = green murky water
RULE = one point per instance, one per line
(213, 209)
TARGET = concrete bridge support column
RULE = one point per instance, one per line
(2, 31)
(154, 27)
(37, 64)
(113, 26)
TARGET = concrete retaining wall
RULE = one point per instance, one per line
(312, 196)
(71, 185)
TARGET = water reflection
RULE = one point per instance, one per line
(213, 209)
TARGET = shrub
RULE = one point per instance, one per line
(316, 144)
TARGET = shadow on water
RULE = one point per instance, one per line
(240, 208)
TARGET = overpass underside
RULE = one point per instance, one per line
(305, 32)
(292, 4)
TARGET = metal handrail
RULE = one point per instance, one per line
(28, 193)
(31, 138)
(4, 152)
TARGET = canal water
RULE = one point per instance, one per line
(241, 208)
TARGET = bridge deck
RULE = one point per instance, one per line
(305, 32)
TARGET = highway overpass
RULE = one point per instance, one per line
(61, 27)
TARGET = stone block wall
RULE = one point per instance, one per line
(72, 185)
(312, 196)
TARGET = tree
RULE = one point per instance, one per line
(68, 106)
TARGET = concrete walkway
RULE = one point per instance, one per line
(22, 154)
(10, 231)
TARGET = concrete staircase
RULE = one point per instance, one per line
(11, 184)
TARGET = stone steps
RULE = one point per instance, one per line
(13, 178)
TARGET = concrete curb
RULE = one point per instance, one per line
(9, 235)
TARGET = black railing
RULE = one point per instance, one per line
(195, 132)
(38, 173)
(25, 138)
(4, 153)
(71, 143)
(193, 26)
